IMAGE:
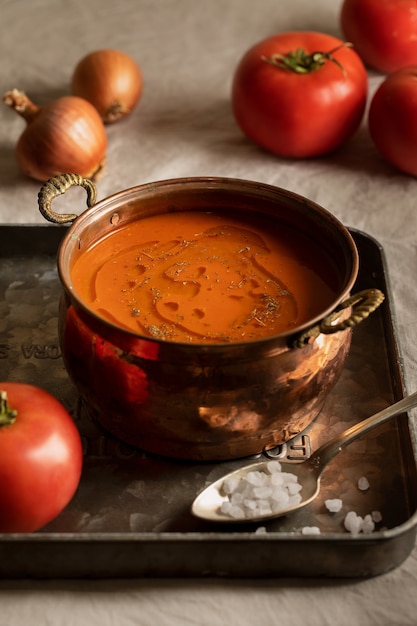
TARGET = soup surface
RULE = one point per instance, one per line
(205, 277)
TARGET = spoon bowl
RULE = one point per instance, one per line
(208, 504)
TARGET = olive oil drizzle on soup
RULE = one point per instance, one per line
(199, 277)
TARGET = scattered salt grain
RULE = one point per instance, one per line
(257, 479)
(376, 516)
(356, 524)
(294, 488)
(353, 523)
(368, 525)
(333, 505)
(232, 510)
(230, 484)
(363, 483)
(260, 492)
(310, 530)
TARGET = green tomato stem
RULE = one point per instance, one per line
(7, 415)
(300, 62)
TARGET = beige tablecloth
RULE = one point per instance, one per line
(183, 126)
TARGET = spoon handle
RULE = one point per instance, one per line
(326, 452)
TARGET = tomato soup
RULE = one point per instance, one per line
(200, 277)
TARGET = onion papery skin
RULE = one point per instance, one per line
(111, 80)
(66, 135)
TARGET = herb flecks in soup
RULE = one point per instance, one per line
(205, 277)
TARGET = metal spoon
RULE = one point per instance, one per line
(207, 504)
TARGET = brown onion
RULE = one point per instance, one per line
(66, 135)
(111, 80)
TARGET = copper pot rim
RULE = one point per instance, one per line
(108, 207)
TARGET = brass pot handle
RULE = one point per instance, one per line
(58, 185)
(363, 304)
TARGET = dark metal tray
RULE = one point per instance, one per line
(131, 513)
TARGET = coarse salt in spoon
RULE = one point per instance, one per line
(270, 489)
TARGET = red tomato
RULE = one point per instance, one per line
(392, 119)
(40, 459)
(383, 32)
(300, 111)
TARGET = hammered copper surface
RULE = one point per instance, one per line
(220, 405)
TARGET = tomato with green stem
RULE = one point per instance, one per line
(300, 94)
(40, 457)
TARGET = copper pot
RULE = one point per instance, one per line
(204, 401)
